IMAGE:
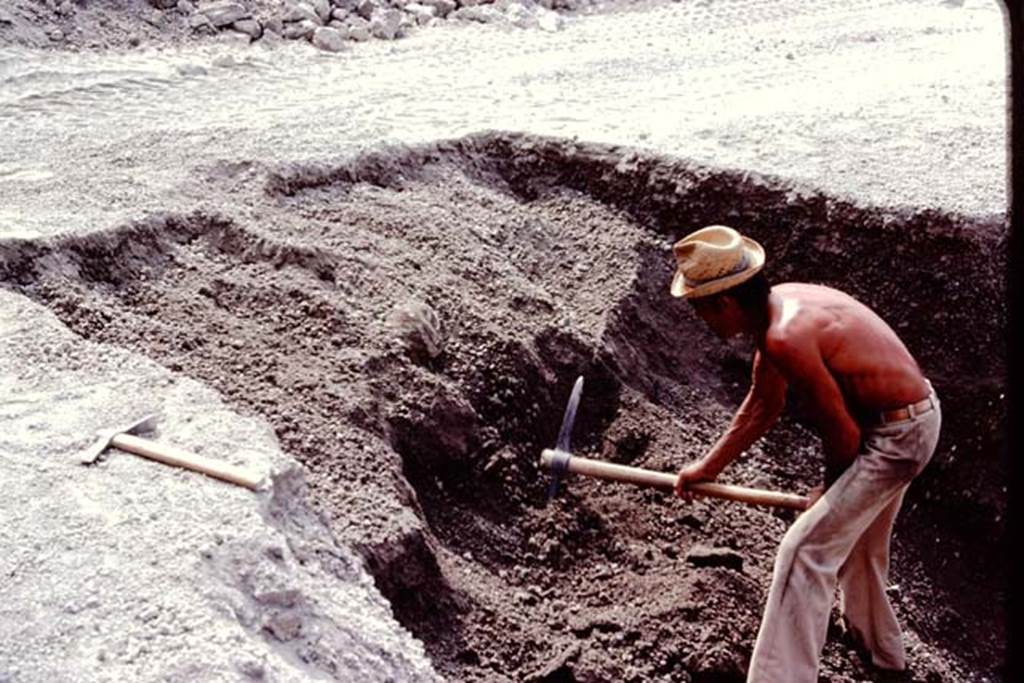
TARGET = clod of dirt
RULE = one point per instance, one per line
(418, 327)
(719, 664)
(559, 669)
(703, 556)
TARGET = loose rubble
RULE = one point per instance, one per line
(70, 25)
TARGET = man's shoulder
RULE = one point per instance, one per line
(784, 340)
(796, 323)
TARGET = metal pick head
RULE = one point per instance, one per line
(104, 436)
(561, 463)
(569, 418)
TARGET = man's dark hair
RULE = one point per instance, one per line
(751, 294)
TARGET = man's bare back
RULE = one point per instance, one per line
(872, 367)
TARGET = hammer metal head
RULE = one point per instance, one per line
(562, 452)
(103, 437)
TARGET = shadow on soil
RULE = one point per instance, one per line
(411, 322)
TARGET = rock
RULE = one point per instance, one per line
(499, 461)
(703, 556)
(322, 9)
(422, 13)
(302, 12)
(269, 37)
(56, 35)
(329, 39)
(558, 668)
(164, 4)
(278, 596)
(525, 597)
(385, 24)
(253, 670)
(718, 663)
(471, 3)
(299, 29)
(273, 25)
(339, 14)
(224, 14)
(201, 23)
(418, 326)
(366, 8)
(157, 20)
(442, 7)
(519, 16)
(185, 7)
(285, 626)
(690, 520)
(550, 21)
(358, 29)
(481, 14)
(407, 24)
(249, 27)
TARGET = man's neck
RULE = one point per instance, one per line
(757, 323)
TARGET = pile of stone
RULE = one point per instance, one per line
(331, 24)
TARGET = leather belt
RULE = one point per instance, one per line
(907, 412)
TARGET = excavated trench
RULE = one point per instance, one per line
(411, 322)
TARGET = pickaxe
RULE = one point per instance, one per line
(124, 439)
(561, 460)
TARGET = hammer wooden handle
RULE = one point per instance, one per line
(181, 458)
(667, 482)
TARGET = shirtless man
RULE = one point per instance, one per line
(878, 418)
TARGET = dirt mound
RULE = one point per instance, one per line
(411, 322)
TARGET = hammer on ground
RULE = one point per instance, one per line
(560, 460)
(124, 438)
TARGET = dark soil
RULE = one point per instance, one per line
(411, 322)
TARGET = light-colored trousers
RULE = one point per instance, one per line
(844, 538)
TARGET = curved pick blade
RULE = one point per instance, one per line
(569, 418)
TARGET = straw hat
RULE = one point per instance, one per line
(713, 259)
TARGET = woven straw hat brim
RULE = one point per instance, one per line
(755, 262)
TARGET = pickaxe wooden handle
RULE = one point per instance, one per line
(555, 459)
(170, 455)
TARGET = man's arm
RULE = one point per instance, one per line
(758, 412)
(800, 359)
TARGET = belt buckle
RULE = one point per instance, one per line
(896, 415)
